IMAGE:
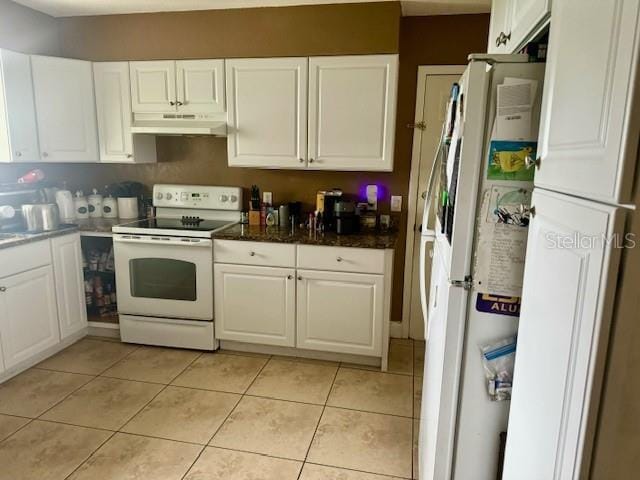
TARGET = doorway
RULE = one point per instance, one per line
(434, 88)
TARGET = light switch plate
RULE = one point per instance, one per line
(396, 203)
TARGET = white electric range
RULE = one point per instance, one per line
(164, 266)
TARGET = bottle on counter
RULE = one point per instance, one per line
(95, 204)
(81, 206)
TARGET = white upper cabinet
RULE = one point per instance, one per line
(18, 128)
(183, 86)
(153, 86)
(525, 17)
(513, 22)
(498, 26)
(562, 337)
(267, 112)
(113, 105)
(589, 126)
(200, 86)
(352, 112)
(65, 109)
(67, 269)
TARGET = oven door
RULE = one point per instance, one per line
(159, 276)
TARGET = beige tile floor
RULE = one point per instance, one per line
(105, 410)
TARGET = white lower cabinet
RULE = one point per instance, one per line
(340, 312)
(321, 298)
(28, 314)
(67, 266)
(255, 304)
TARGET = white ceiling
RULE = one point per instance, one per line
(70, 8)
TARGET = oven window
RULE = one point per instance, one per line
(163, 278)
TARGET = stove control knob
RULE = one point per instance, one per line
(168, 196)
(159, 195)
(233, 198)
(224, 198)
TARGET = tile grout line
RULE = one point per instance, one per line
(119, 430)
(315, 431)
(242, 395)
(81, 386)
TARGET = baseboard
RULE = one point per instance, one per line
(298, 352)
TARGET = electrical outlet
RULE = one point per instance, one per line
(267, 198)
(396, 203)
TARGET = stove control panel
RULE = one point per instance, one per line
(197, 196)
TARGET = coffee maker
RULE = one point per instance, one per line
(325, 205)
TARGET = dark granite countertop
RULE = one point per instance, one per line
(301, 236)
(101, 225)
(14, 239)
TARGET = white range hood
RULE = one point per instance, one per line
(179, 124)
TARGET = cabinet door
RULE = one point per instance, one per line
(340, 312)
(352, 112)
(113, 104)
(525, 16)
(200, 85)
(255, 304)
(498, 26)
(18, 128)
(267, 112)
(153, 86)
(569, 282)
(589, 125)
(65, 108)
(67, 267)
(28, 315)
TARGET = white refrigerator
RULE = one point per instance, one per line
(460, 425)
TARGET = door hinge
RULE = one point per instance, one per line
(467, 283)
(420, 125)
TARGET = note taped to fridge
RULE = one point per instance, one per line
(502, 241)
(507, 160)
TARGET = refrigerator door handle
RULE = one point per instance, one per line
(424, 241)
(427, 195)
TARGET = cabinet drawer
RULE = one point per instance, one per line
(24, 257)
(341, 259)
(254, 253)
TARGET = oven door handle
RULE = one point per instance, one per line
(157, 240)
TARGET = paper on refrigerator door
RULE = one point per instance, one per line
(502, 241)
(514, 110)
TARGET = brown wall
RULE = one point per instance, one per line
(28, 31)
(288, 31)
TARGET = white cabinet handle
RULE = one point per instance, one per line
(338, 259)
(289, 277)
(299, 277)
(45, 154)
(253, 254)
(3, 289)
(18, 154)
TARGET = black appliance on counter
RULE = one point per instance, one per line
(346, 220)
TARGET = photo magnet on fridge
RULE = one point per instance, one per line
(507, 160)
